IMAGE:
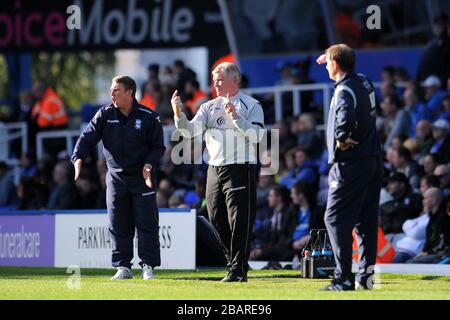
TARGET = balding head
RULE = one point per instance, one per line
(423, 129)
(432, 199)
(443, 172)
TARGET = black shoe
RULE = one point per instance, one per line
(362, 286)
(234, 277)
(339, 285)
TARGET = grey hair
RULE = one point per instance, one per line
(228, 69)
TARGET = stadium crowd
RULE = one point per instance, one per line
(413, 121)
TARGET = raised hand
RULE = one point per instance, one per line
(322, 59)
(77, 165)
(176, 104)
(229, 108)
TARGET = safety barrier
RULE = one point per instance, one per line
(81, 238)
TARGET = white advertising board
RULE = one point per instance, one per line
(84, 240)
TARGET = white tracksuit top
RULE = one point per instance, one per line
(227, 141)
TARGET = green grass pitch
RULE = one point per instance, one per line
(51, 283)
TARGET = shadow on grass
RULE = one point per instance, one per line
(430, 277)
(251, 276)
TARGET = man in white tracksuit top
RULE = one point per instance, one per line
(231, 124)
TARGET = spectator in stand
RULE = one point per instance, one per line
(275, 233)
(442, 171)
(416, 110)
(64, 194)
(424, 136)
(161, 199)
(414, 148)
(434, 60)
(28, 165)
(285, 135)
(176, 201)
(441, 136)
(403, 162)
(404, 205)
(387, 89)
(287, 164)
(401, 75)
(32, 194)
(446, 105)
(437, 232)
(305, 169)
(8, 194)
(24, 115)
(307, 216)
(307, 136)
(415, 230)
(194, 96)
(88, 189)
(49, 111)
(428, 181)
(25, 106)
(151, 95)
(430, 163)
(388, 74)
(152, 77)
(284, 69)
(265, 184)
(166, 188)
(398, 119)
(167, 77)
(182, 74)
(434, 96)
(164, 108)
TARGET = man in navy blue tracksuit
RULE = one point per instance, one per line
(132, 137)
(356, 172)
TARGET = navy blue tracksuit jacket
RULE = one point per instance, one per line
(355, 176)
(129, 143)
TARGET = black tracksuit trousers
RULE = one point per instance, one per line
(353, 202)
(230, 200)
(132, 206)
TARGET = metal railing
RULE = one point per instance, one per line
(296, 91)
(10, 132)
(277, 92)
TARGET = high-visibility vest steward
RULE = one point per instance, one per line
(50, 111)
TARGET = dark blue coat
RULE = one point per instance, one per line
(128, 145)
(352, 114)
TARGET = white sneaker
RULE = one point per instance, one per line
(147, 272)
(122, 274)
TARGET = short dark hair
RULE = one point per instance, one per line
(404, 153)
(282, 192)
(343, 55)
(431, 180)
(389, 69)
(127, 82)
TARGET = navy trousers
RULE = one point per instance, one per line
(353, 202)
(132, 206)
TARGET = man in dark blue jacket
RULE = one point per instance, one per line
(132, 137)
(356, 172)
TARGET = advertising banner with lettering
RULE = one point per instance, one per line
(27, 240)
(84, 240)
(66, 25)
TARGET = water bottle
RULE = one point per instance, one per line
(306, 261)
(296, 262)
